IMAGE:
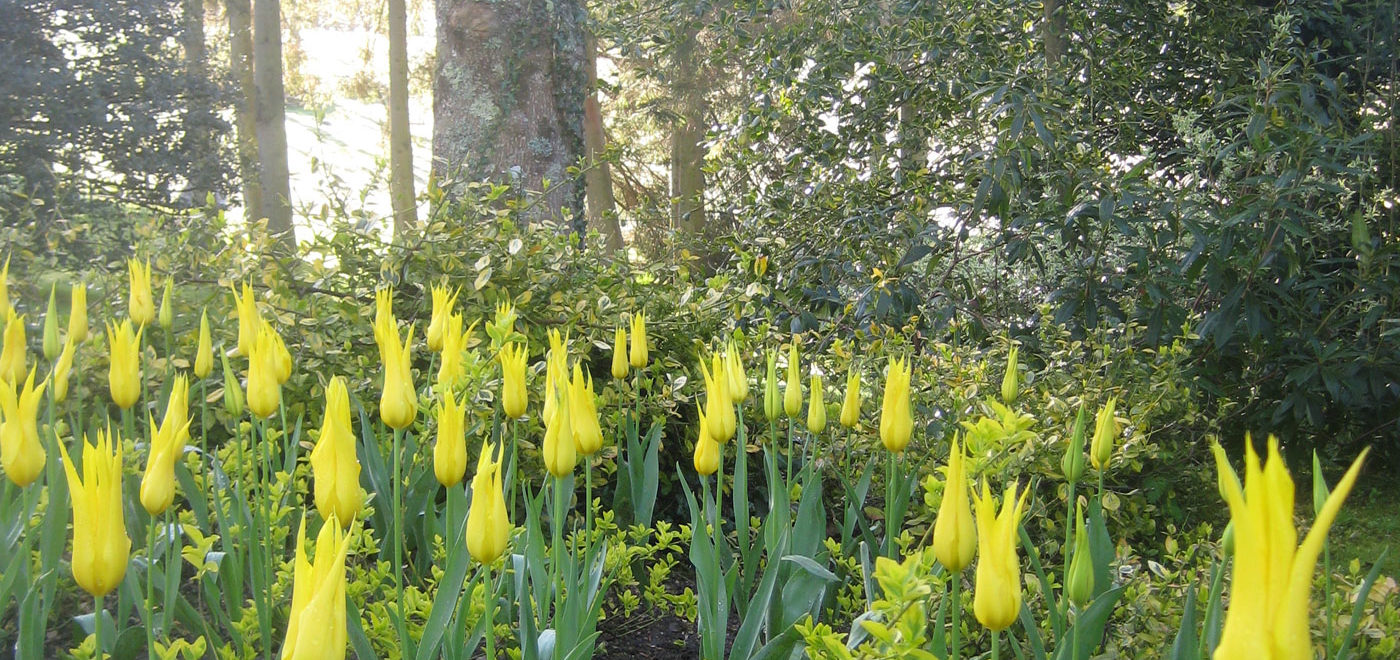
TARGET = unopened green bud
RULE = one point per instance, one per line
(1079, 585)
(1011, 382)
(233, 390)
(1072, 464)
(51, 346)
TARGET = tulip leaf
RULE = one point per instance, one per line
(356, 633)
(1185, 645)
(780, 647)
(1361, 596)
(445, 600)
(1091, 623)
(1100, 549)
(747, 637)
(1032, 631)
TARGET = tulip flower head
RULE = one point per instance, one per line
(488, 520)
(282, 358)
(772, 405)
(792, 394)
(997, 592)
(556, 373)
(141, 304)
(101, 548)
(514, 396)
(719, 404)
(249, 319)
(560, 452)
(233, 390)
(264, 390)
(316, 627)
(505, 318)
(398, 404)
(454, 341)
(1271, 584)
(1079, 585)
(12, 357)
(1105, 432)
(734, 370)
(619, 358)
(166, 318)
(816, 407)
(896, 420)
(450, 451)
(850, 406)
(51, 345)
(21, 453)
(177, 410)
(158, 481)
(334, 463)
(1011, 382)
(707, 451)
(583, 414)
(955, 530)
(124, 363)
(638, 355)
(77, 314)
(204, 352)
(61, 370)
(443, 302)
(1072, 463)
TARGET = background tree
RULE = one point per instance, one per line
(272, 119)
(245, 102)
(401, 193)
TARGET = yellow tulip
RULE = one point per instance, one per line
(505, 318)
(896, 420)
(124, 368)
(281, 357)
(443, 302)
(316, 627)
(264, 390)
(177, 410)
(560, 454)
(734, 371)
(850, 406)
(488, 520)
(334, 463)
(384, 320)
(101, 548)
(22, 454)
(583, 414)
(555, 368)
(204, 353)
(514, 396)
(233, 390)
(450, 451)
(450, 372)
(77, 314)
(997, 592)
(1010, 383)
(639, 355)
(816, 408)
(12, 357)
(398, 403)
(62, 369)
(167, 444)
(166, 318)
(1079, 584)
(250, 320)
(955, 530)
(141, 305)
(719, 404)
(1105, 432)
(619, 359)
(1271, 584)
(706, 449)
(771, 403)
(792, 395)
(50, 345)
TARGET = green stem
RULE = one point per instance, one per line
(788, 474)
(97, 626)
(490, 621)
(1064, 549)
(588, 512)
(151, 584)
(400, 622)
(264, 567)
(1101, 486)
(1074, 643)
(890, 493)
(996, 645)
(128, 425)
(955, 595)
(771, 462)
(557, 548)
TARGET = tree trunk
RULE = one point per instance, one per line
(602, 207)
(687, 153)
(272, 120)
(400, 140)
(508, 98)
(199, 115)
(240, 33)
(1053, 32)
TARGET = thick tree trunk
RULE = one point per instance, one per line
(508, 98)
(245, 103)
(687, 152)
(272, 119)
(400, 140)
(1053, 31)
(602, 207)
(199, 114)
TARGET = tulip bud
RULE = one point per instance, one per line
(955, 530)
(450, 452)
(638, 355)
(264, 391)
(204, 353)
(398, 403)
(51, 345)
(158, 481)
(488, 520)
(1105, 432)
(334, 463)
(896, 420)
(443, 302)
(233, 390)
(997, 590)
(101, 548)
(619, 359)
(560, 454)
(556, 364)
(772, 405)
(12, 357)
(249, 319)
(61, 370)
(792, 395)
(850, 407)
(707, 451)
(21, 453)
(124, 370)
(141, 306)
(816, 409)
(167, 310)
(1012, 380)
(316, 626)
(583, 414)
(734, 371)
(720, 404)
(514, 396)
(1079, 585)
(1072, 464)
(1320, 491)
(77, 314)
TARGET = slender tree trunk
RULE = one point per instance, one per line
(400, 140)
(199, 114)
(1053, 31)
(602, 207)
(272, 120)
(240, 33)
(687, 152)
(508, 99)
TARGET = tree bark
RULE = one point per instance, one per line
(272, 120)
(1053, 31)
(508, 99)
(687, 152)
(199, 114)
(400, 140)
(240, 32)
(602, 206)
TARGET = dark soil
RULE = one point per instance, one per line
(652, 635)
